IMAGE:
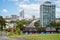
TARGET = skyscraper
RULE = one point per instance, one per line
(14, 16)
(33, 17)
(47, 13)
(22, 14)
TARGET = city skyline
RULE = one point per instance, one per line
(30, 7)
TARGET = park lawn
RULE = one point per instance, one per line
(44, 37)
(39, 36)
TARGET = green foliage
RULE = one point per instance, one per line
(54, 24)
(57, 24)
(14, 31)
(20, 24)
(13, 21)
(38, 27)
(2, 23)
(37, 24)
(19, 28)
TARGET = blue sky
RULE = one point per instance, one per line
(30, 7)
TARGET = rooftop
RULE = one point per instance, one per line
(48, 2)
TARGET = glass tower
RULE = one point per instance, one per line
(47, 13)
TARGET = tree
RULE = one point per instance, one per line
(54, 24)
(58, 24)
(38, 26)
(20, 24)
(14, 31)
(2, 22)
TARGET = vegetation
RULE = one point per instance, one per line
(18, 29)
(13, 21)
(55, 24)
(41, 28)
(2, 23)
(22, 23)
(14, 31)
(38, 26)
(44, 37)
(38, 36)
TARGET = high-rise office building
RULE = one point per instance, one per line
(47, 13)
(33, 17)
(22, 14)
(14, 16)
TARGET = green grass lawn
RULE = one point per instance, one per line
(39, 36)
(44, 37)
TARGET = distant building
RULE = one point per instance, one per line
(14, 17)
(57, 19)
(33, 17)
(11, 25)
(50, 29)
(22, 14)
(47, 13)
(8, 19)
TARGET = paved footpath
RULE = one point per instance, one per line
(6, 38)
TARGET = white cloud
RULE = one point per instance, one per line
(42, 0)
(4, 11)
(15, 0)
(26, 0)
(32, 9)
(23, 2)
(31, 6)
(57, 12)
(27, 16)
(57, 2)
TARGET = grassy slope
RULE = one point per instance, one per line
(40, 36)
